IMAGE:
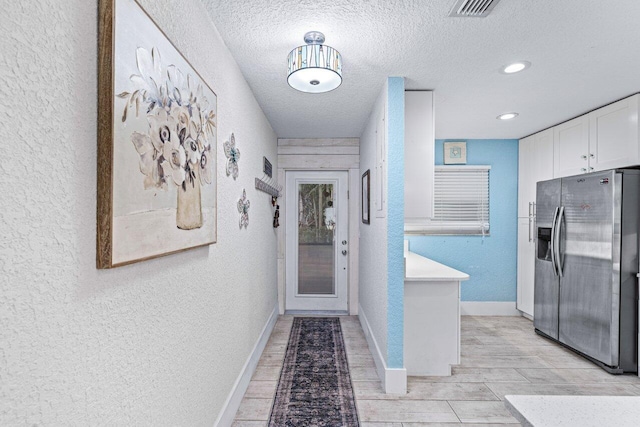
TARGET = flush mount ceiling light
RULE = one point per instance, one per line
(516, 67)
(507, 116)
(314, 68)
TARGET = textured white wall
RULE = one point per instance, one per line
(155, 343)
(373, 238)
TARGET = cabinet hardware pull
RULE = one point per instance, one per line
(584, 157)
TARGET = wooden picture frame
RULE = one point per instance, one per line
(365, 200)
(157, 138)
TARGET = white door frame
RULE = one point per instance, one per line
(338, 302)
(318, 154)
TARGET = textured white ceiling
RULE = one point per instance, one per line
(585, 53)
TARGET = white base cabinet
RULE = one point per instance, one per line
(431, 316)
(526, 265)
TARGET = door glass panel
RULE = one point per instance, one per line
(316, 246)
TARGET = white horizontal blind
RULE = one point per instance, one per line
(461, 200)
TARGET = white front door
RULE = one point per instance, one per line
(316, 241)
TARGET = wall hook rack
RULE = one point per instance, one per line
(272, 189)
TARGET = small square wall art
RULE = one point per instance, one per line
(455, 153)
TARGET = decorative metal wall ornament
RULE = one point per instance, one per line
(233, 156)
(243, 208)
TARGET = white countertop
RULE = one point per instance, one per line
(421, 269)
(579, 411)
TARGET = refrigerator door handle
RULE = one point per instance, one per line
(556, 240)
(553, 243)
(535, 225)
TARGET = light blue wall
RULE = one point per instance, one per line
(395, 222)
(489, 261)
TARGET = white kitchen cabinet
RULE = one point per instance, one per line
(571, 147)
(419, 161)
(525, 172)
(605, 138)
(535, 163)
(431, 316)
(526, 264)
(613, 135)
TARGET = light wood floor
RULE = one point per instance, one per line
(500, 356)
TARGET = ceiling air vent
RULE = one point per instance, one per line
(472, 8)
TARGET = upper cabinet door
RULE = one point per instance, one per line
(543, 157)
(613, 135)
(419, 162)
(571, 147)
(535, 163)
(525, 176)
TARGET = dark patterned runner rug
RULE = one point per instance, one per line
(315, 387)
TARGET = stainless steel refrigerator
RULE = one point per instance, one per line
(586, 285)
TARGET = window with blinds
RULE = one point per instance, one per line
(461, 200)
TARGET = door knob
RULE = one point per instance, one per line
(344, 242)
(344, 252)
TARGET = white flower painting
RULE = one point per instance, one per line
(164, 132)
(181, 123)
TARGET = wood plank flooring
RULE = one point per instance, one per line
(499, 356)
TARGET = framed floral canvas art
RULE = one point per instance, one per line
(157, 133)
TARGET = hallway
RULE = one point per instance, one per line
(499, 356)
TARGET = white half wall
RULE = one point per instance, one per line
(161, 342)
(373, 236)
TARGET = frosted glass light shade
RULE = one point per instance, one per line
(314, 68)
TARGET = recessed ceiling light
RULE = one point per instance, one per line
(515, 67)
(507, 116)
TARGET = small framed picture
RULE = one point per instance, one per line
(366, 203)
(455, 153)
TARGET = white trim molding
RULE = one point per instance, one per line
(230, 407)
(394, 380)
(489, 308)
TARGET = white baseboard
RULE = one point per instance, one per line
(230, 407)
(489, 308)
(394, 380)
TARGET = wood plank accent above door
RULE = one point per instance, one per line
(319, 142)
(319, 154)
